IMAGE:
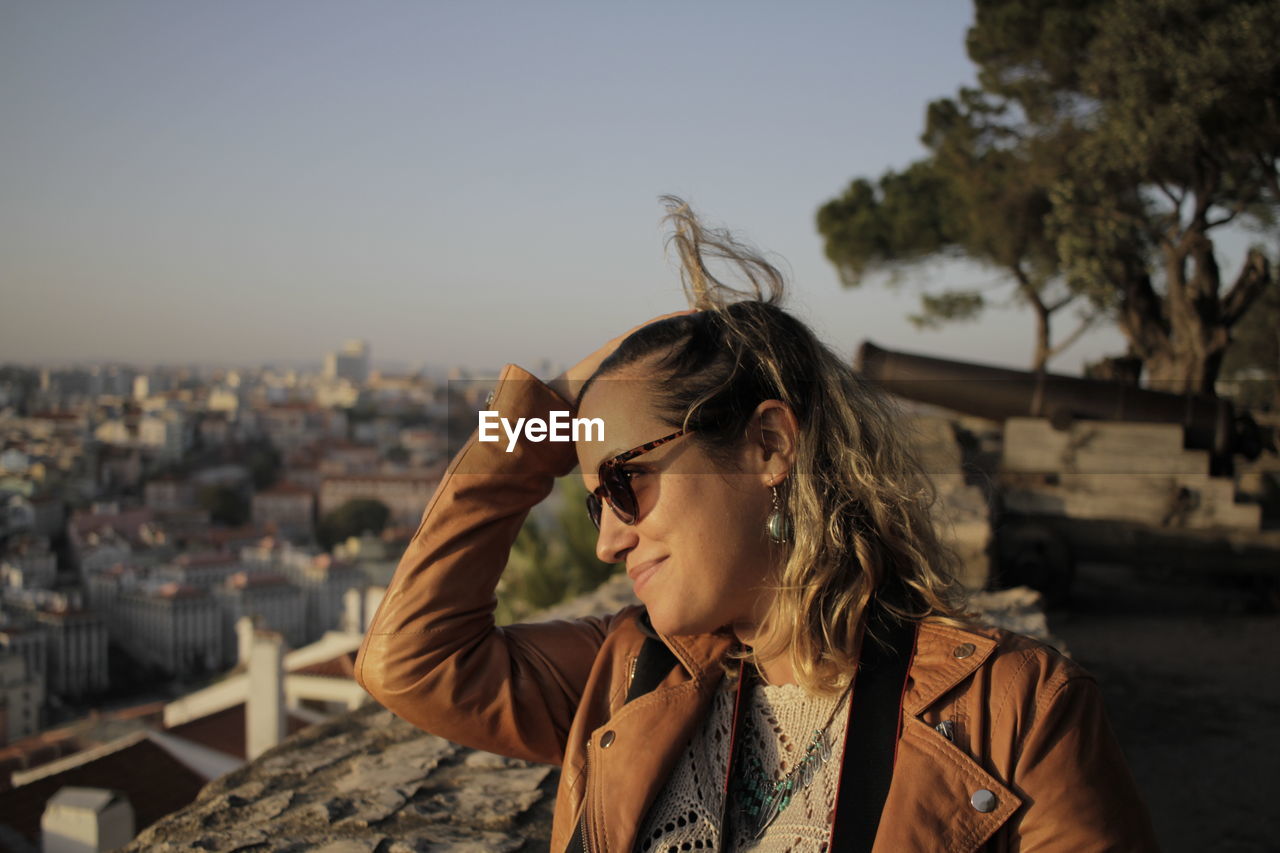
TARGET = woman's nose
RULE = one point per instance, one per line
(615, 539)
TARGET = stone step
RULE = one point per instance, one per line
(1032, 445)
(1143, 500)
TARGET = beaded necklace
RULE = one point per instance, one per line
(759, 799)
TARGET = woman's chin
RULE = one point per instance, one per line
(677, 625)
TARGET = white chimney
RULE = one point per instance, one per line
(353, 611)
(264, 711)
(372, 601)
(86, 820)
(244, 640)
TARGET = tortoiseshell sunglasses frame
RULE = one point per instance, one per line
(614, 481)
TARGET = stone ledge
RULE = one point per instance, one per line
(367, 781)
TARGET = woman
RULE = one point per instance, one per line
(799, 677)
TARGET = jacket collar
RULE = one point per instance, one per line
(945, 655)
(701, 655)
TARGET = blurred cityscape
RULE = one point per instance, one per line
(156, 524)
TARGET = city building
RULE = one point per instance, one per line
(74, 640)
(288, 506)
(73, 426)
(50, 515)
(323, 580)
(116, 431)
(16, 514)
(350, 363)
(381, 433)
(336, 394)
(21, 636)
(76, 664)
(113, 468)
(153, 773)
(14, 461)
(203, 571)
(28, 564)
(269, 600)
(345, 457)
(146, 385)
(167, 493)
(173, 627)
(405, 494)
(293, 425)
(105, 536)
(170, 434)
(21, 697)
(223, 399)
(216, 430)
(104, 552)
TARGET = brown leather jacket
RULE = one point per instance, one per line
(1026, 724)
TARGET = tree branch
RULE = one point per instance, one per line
(1253, 279)
(1028, 289)
(1085, 323)
(1269, 175)
(1199, 214)
(1062, 303)
(1214, 223)
(1175, 200)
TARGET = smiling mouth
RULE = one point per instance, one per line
(641, 574)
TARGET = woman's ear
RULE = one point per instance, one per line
(774, 433)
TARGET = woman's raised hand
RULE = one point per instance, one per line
(569, 383)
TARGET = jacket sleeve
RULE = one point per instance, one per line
(433, 654)
(1076, 786)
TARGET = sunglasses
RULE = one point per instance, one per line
(615, 485)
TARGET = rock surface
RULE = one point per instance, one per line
(365, 782)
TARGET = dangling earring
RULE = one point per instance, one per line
(776, 525)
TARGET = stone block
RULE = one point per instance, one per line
(1033, 445)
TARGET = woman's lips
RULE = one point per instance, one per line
(640, 574)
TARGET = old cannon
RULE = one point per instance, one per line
(998, 393)
(1101, 471)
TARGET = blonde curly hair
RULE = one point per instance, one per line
(862, 542)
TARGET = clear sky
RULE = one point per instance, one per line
(456, 182)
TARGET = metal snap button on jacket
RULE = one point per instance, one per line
(983, 800)
(606, 739)
(963, 650)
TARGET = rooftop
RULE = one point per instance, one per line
(341, 666)
(155, 782)
(285, 488)
(176, 590)
(245, 580)
(203, 560)
(224, 730)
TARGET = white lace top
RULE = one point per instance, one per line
(686, 814)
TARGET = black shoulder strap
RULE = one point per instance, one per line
(875, 719)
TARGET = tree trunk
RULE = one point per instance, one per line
(1183, 370)
(1183, 337)
(1042, 351)
(1030, 293)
